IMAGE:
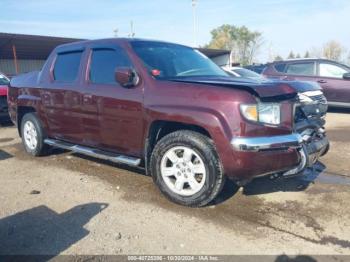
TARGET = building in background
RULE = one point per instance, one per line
(24, 53)
(220, 57)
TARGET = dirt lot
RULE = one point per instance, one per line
(70, 204)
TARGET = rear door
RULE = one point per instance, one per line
(112, 113)
(330, 77)
(61, 97)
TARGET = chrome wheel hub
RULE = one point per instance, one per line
(183, 171)
(30, 135)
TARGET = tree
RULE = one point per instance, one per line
(243, 43)
(333, 50)
(307, 54)
(278, 58)
(271, 53)
(298, 56)
(222, 37)
(316, 52)
(291, 55)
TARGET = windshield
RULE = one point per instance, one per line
(175, 61)
(3, 80)
(246, 73)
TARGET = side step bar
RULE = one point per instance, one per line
(121, 159)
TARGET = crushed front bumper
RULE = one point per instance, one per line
(255, 144)
(309, 150)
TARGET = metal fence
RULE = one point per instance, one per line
(7, 66)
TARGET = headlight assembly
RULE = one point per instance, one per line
(267, 113)
(304, 98)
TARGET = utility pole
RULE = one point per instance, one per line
(15, 58)
(115, 31)
(132, 33)
(194, 5)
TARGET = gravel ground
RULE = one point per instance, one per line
(66, 203)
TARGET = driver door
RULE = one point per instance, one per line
(112, 114)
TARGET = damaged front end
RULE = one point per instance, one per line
(307, 140)
(309, 119)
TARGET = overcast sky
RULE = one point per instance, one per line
(286, 25)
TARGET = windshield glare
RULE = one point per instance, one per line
(3, 80)
(175, 61)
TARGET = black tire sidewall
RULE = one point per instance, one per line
(39, 149)
(204, 148)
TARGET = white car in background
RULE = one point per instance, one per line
(243, 72)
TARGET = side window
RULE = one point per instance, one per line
(67, 66)
(330, 70)
(280, 67)
(306, 69)
(103, 65)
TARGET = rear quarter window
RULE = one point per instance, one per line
(67, 66)
(280, 67)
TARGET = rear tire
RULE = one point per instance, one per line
(186, 168)
(33, 135)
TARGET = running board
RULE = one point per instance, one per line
(121, 159)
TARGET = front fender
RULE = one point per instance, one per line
(212, 121)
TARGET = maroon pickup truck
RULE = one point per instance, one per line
(168, 108)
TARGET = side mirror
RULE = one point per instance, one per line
(126, 76)
(346, 76)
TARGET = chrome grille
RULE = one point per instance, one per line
(319, 98)
(311, 107)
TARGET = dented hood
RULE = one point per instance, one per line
(264, 89)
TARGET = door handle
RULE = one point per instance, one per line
(322, 81)
(46, 98)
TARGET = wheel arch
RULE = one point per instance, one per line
(160, 128)
(209, 122)
(21, 111)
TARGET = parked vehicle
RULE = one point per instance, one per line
(170, 109)
(333, 77)
(4, 81)
(243, 72)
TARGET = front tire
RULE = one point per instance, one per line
(186, 168)
(33, 135)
